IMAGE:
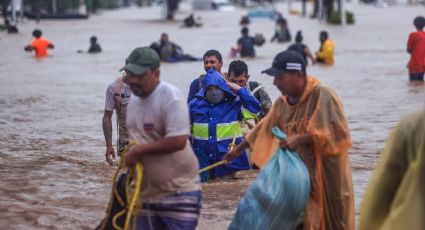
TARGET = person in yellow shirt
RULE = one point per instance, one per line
(325, 55)
(395, 196)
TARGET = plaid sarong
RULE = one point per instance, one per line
(179, 211)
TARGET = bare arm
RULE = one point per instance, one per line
(107, 132)
(310, 55)
(235, 152)
(51, 46)
(295, 141)
(165, 145)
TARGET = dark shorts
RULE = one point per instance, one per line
(417, 76)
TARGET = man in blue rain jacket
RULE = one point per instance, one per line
(216, 112)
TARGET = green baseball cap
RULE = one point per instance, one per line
(140, 60)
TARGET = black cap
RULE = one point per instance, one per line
(286, 61)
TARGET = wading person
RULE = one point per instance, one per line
(94, 45)
(302, 48)
(158, 119)
(325, 55)
(395, 196)
(246, 44)
(169, 51)
(416, 49)
(117, 96)
(215, 114)
(238, 74)
(39, 44)
(212, 59)
(312, 116)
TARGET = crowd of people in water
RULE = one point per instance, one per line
(224, 125)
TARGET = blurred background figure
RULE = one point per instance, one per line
(244, 21)
(416, 49)
(190, 21)
(94, 45)
(325, 55)
(246, 44)
(10, 28)
(169, 51)
(39, 44)
(301, 48)
(282, 33)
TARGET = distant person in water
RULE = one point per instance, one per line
(39, 44)
(325, 55)
(244, 21)
(171, 52)
(301, 48)
(282, 33)
(245, 44)
(10, 28)
(94, 45)
(190, 21)
(416, 49)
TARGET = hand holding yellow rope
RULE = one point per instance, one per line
(132, 199)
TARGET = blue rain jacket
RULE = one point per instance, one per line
(214, 126)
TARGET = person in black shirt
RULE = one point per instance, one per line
(301, 48)
(246, 44)
(94, 45)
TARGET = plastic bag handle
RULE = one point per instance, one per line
(279, 134)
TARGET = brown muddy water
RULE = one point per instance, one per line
(53, 171)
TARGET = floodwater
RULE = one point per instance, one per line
(53, 171)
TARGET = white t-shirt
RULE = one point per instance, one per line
(110, 97)
(164, 113)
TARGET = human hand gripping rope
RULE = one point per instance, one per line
(133, 200)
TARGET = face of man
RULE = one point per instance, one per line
(241, 79)
(143, 85)
(212, 62)
(164, 38)
(287, 83)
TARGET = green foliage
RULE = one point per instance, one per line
(335, 17)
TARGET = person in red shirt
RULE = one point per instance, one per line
(39, 44)
(416, 49)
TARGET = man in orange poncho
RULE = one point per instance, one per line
(312, 116)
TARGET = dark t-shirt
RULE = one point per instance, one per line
(95, 48)
(300, 48)
(247, 44)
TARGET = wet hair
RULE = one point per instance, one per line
(419, 22)
(37, 33)
(93, 39)
(324, 35)
(238, 67)
(244, 31)
(299, 37)
(214, 53)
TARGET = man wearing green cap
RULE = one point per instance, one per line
(158, 119)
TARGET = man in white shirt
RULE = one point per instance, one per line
(117, 97)
(158, 119)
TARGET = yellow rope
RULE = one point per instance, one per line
(133, 199)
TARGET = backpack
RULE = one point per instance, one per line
(259, 39)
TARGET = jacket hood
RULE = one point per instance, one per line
(216, 79)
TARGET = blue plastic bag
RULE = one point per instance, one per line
(277, 198)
